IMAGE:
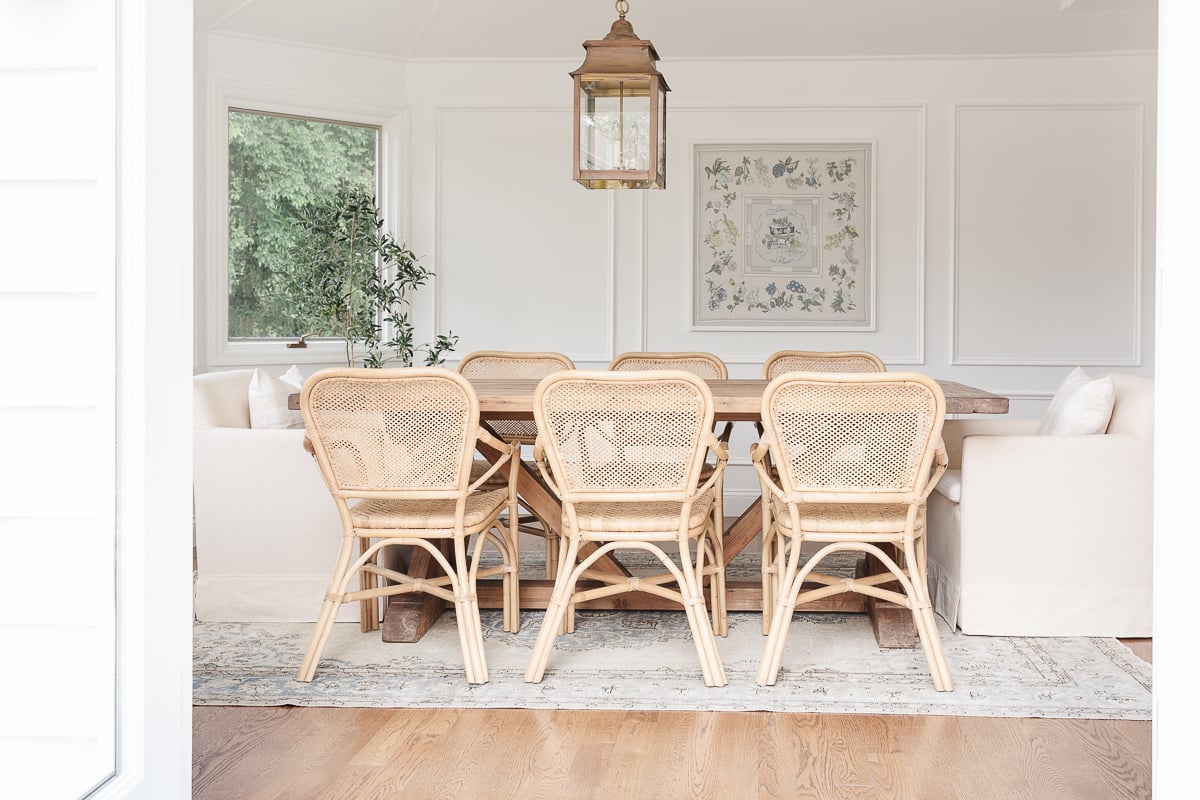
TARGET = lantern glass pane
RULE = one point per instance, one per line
(614, 125)
(662, 133)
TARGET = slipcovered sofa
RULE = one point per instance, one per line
(267, 531)
(1047, 535)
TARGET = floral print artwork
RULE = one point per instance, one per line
(783, 235)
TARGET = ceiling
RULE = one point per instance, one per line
(532, 29)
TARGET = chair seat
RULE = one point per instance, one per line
(846, 518)
(641, 518)
(426, 514)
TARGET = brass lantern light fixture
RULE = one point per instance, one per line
(620, 112)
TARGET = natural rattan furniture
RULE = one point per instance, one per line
(816, 361)
(856, 456)
(706, 365)
(738, 400)
(485, 364)
(710, 368)
(400, 442)
(623, 451)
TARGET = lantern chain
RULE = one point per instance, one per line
(622, 8)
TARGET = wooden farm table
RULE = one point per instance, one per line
(409, 616)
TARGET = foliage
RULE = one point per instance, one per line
(279, 167)
(349, 274)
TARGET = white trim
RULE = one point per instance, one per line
(916, 359)
(1139, 222)
(1091, 54)
(610, 260)
(223, 94)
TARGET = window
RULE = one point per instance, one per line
(280, 166)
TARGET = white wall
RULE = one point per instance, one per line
(1014, 220)
(95, 216)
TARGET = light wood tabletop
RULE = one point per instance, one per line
(734, 399)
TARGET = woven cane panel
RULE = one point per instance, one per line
(623, 436)
(818, 363)
(513, 367)
(851, 436)
(401, 433)
(708, 369)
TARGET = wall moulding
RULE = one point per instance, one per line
(606, 349)
(861, 130)
(1039, 203)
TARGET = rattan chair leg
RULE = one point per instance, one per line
(770, 569)
(316, 644)
(552, 623)
(790, 582)
(692, 590)
(368, 608)
(925, 623)
(466, 611)
(329, 609)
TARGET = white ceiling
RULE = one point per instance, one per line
(454, 29)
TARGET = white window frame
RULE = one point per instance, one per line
(224, 95)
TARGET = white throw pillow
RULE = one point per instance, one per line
(1081, 406)
(269, 399)
(950, 485)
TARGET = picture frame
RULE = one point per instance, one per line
(783, 236)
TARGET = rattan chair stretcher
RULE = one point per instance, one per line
(624, 451)
(856, 456)
(395, 447)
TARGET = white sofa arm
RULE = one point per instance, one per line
(955, 430)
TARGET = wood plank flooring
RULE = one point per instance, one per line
(362, 754)
(249, 753)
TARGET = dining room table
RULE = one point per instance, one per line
(408, 617)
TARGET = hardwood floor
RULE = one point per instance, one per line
(250, 753)
(362, 754)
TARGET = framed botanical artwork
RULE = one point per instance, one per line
(784, 236)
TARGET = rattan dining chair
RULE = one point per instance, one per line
(709, 367)
(779, 363)
(816, 361)
(400, 442)
(856, 457)
(623, 451)
(513, 365)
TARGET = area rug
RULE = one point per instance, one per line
(645, 660)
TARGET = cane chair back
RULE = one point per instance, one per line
(501, 364)
(392, 431)
(402, 442)
(705, 365)
(814, 361)
(853, 434)
(625, 432)
(624, 451)
(853, 459)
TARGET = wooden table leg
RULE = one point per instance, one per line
(409, 616)
(892, 623)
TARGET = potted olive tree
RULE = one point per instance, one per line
(352, 274)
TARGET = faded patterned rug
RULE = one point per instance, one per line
(645, 660)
